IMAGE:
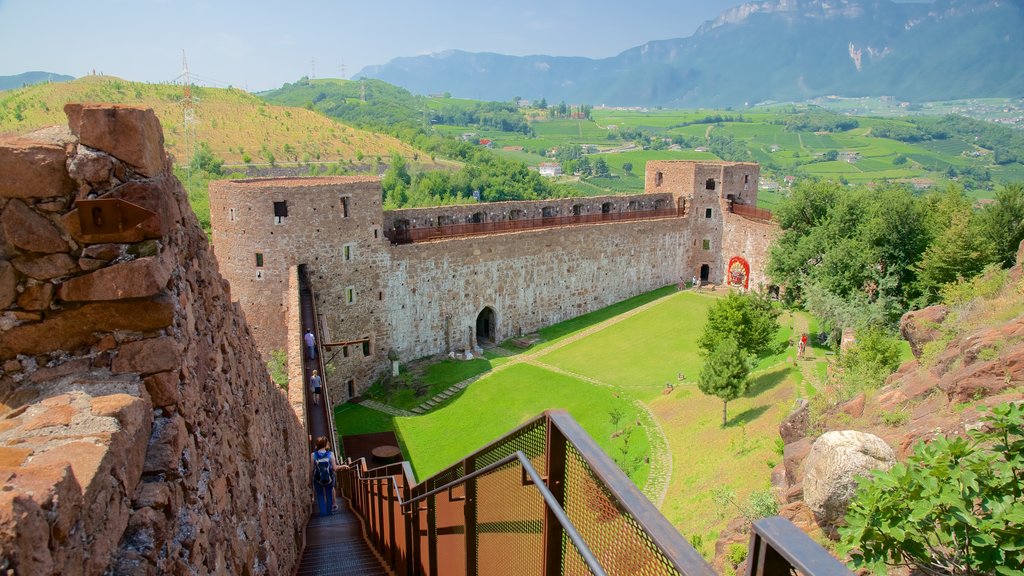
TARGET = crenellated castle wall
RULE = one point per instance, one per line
(138, 425)
(449, 294)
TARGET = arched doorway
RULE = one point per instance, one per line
(705, 273)
(485, 326)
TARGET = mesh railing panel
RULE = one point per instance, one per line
(615, 537)
(510, 524)
(531, 440)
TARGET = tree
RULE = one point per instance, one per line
(955, 507)
(724, 374)
(203, 159)
(601, 169)
(627, 167)
(749, 320)
(1003, 222)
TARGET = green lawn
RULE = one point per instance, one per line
(622, 366)
(498, 403)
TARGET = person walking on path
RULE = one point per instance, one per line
(802, 346)
(324, 475)
(310, 343)
(315, 386)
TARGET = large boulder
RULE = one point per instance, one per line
(831, 469)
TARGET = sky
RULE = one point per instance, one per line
(261, 44)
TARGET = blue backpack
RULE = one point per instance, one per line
(323, 473)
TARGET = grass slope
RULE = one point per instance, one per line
(233, 122)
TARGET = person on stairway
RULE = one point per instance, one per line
(316, 387)
(324, 476)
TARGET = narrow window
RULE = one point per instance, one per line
(344, 351)
(280, 211)
(380, 295)
(375, 232)
(348, 252)
(259, 260)
(746, 178)
(344, 206)
(657, 178)
(706, 244)
(707, 212)
(351, 388)
(232, 215)
(366, 347)
(350, 295)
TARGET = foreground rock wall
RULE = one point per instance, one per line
(139, 431)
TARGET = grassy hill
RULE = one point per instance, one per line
(237, 125)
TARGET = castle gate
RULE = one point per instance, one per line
(485, 325)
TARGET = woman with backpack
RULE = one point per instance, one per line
(324, 466)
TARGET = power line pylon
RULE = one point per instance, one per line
(188, 104)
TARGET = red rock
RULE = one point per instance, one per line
(793, 457)
(49, 373)
(133, 279)
(8, 284)
(163, 388)
(102, 251)
(976, 381)
(32, 169)
(45, 267)
(85, 458)
(54, 416)
(891, 400)
(128, 133)
(153, 495)
(922, 326)
(91, 166)
(76, 327)
(12, 365)
(13, 457)
(148, 356)
(799, 514)
(165, 447)
(794, 427)
(855, 407)
(29, 231)
(37, 296)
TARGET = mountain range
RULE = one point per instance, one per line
(771, 50)
(30, 78)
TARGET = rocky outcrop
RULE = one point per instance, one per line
(835, 460)
(139, 430)
(919, 327)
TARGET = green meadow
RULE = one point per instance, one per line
(622, 360)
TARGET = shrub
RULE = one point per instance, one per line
(867, 364)
(278, 368)
(955, 507)
(736, 553)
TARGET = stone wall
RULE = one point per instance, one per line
(426, 298)
(525, 210)
(531, 279)
(139, 431)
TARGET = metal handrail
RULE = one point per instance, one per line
(653, 523)
(775, 538)
(538, 482)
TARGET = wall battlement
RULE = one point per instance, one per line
(453, 294)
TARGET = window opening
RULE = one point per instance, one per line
(710, 184)
(657, 178)
(707, 212)
(706, 244)
(347, 252)
(345, 206)
(232, 215)
(350, 295)
(259, 260)
(344, 351)
(280, 211)
(366, 347)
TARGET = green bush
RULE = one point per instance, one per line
(866, 364)
(955, 507)
(736, 553)
(278, 368)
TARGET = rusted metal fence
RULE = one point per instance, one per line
(751, 212)
(403, 235)
(543, 500)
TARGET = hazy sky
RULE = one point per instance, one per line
(261, 44)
